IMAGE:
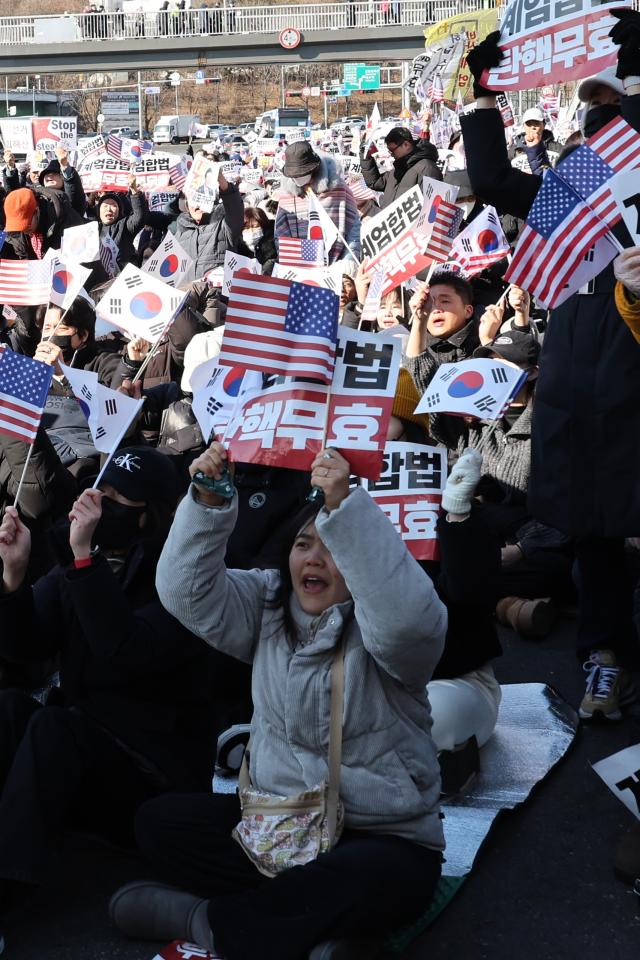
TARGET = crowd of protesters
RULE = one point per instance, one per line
(144, 618)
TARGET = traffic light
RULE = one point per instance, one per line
(293, 93)
(212, 80)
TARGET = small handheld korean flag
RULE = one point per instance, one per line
(217, 391)
(140, 305)
(67, 279)
(233, 262)
(134, 150)
(473, 388)
(481, 243)
(169, 262)
(321, 226)
(108, 412)
(81, 243)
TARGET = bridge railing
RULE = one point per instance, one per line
(222, 21)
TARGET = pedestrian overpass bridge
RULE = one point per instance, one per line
(223, 36)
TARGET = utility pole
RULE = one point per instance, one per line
(140, 123)
(282, 96)
(325, 100)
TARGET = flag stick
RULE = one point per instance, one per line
(317, 492)
(146, 360)
(16, 500)
(339, 235)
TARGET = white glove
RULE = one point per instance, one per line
(627, 269)
(462, 482)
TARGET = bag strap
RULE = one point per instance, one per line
(335, 739)
(335, 743)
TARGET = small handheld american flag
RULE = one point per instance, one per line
(24, 385)
(297, 252)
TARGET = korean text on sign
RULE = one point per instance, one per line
(553, 41)
(409, 491)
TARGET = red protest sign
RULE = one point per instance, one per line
(284, 424)
(553, 42)
(409, 491)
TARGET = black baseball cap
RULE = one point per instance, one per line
(513, 345)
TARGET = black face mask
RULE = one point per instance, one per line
(64, 342)
(598, 117)
(118, 526)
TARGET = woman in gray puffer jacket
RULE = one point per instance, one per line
(344, 566)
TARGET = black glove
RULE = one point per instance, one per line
(626, 33)
(484, 57)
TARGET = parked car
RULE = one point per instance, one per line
(121, 132)
(218, 129)
(349, 124)
(142, 135)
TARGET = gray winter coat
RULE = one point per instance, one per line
(206, 243)
(389, 781)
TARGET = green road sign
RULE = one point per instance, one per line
(360, 76)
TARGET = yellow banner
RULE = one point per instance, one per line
(457, 78)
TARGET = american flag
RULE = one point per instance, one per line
(361, 191)
(614, 149)
(114, 146)
(435, 90)
(24, 385)
(445, 227)
(374, 296)
(25, 282)
(297, 252)
(560, 229)
(279, 326)
(178, 172)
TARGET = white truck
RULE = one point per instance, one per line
(173, 129)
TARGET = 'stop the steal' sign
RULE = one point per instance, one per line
(553, 41)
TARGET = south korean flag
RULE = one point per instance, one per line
(169, 262)
(140, 305)
(108, 412)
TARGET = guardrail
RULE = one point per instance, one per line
(226, 20)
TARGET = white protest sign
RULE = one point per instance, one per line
(157, 199)
(292, 136)
(479, 388)
(251, 175)
(105, 173)
(153, 172)
(89, 147)
(201, 185)
(264, 146)
(625, 188)
(621, 773)
(557, 42)
(381, 231)
(233, 262)
(409, 492)
(52, 132)
(17, 135)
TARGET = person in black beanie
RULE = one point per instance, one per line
(136, 711)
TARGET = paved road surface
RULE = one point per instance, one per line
(542, 889)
